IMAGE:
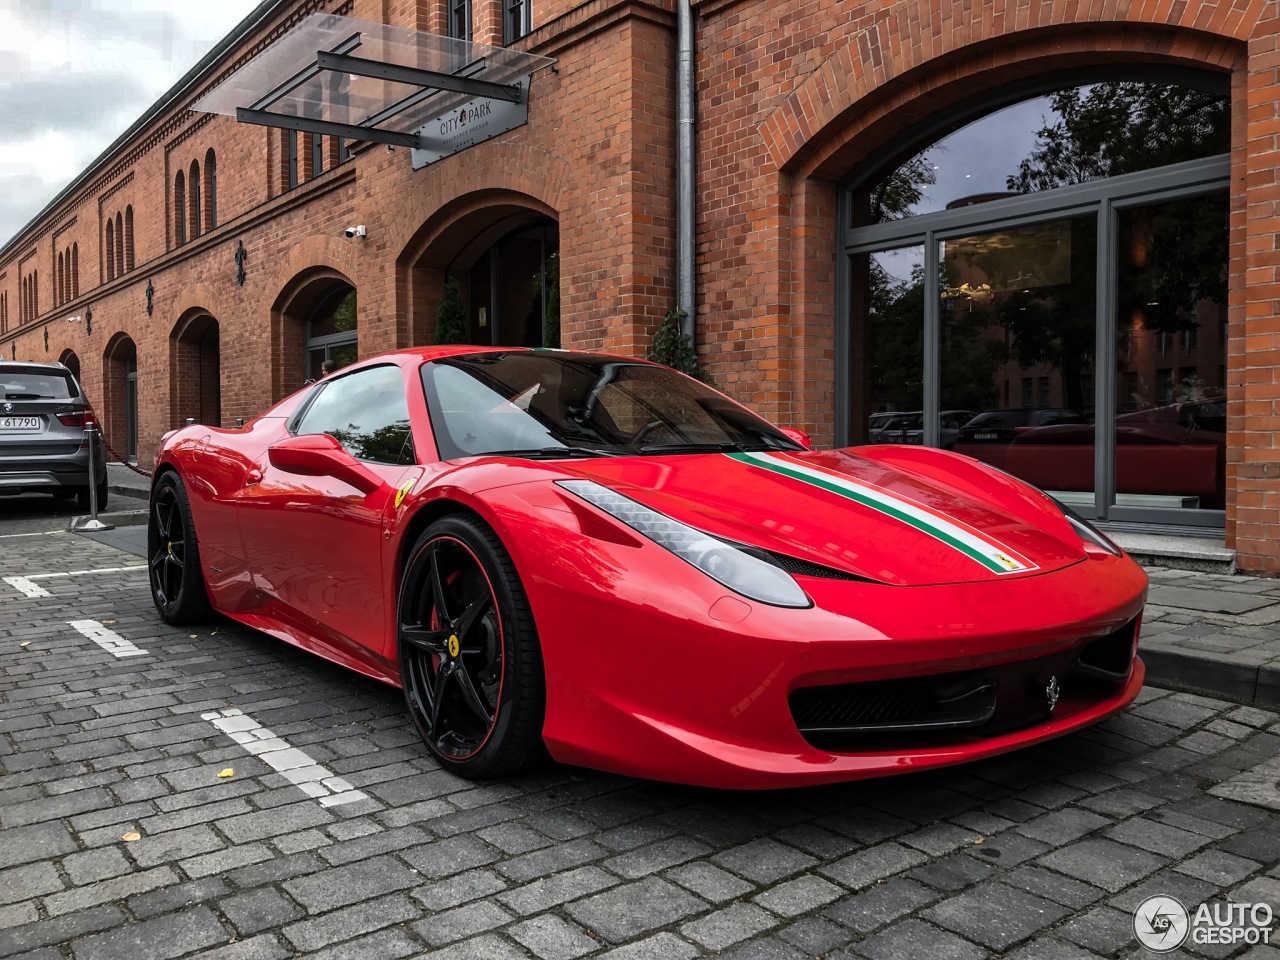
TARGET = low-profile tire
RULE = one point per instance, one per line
(470, 661)
(173, 555)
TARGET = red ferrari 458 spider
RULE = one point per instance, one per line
(604, 560)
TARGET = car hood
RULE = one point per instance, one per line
(903, 516)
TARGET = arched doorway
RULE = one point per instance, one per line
(195, 371)
(1041, 284)
(317, 327)
(69, 360)
(504, 256)
(119, 411)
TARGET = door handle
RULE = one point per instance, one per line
(252, 477)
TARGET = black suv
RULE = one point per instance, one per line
(43, 413)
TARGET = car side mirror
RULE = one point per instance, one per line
(320, 455)
(799, 436)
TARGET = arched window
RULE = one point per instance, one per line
(35, 293)
(194, 207)
(211, 187)
(75, 270)
(179, 210)
(59, 275)
(111, 249)
(128, 237)
(119, 244)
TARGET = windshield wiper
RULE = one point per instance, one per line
(704, 447)
(549, 453)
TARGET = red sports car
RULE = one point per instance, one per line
(601, 559)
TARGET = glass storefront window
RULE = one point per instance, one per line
(889, 343)
(975, 320)
(1171, 284)
(1075, 135)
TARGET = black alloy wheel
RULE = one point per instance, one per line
(173, 555)
(470, 661)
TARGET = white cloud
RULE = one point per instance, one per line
(74, 74)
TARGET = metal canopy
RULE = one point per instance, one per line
(371, 81)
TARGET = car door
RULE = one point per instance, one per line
(315, 542)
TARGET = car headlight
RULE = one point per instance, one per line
(1087, 531)
(722, 562)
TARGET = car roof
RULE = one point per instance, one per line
(31, 366)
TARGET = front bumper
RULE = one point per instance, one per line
(652, 671)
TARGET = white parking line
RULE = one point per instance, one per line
(293, 764)
(108, 640)
(38, 533)
(81, 573)
(25, 587)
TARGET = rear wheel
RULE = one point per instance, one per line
(470, 661)
(173, 555)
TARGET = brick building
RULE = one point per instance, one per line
(935, 209)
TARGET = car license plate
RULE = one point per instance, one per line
(986, 436)
(19, 423)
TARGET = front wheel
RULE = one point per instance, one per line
(173, 555)
(470, 661)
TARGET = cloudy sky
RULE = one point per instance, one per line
(74, 74)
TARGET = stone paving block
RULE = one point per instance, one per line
(461, 922)
(996, 915)
(265, 947)
(872, 864)
(709, 881)
(265, 908)
(1217, 866)
(627, 911)
(340, 886)
(729, 925)
(443, 858)
(18, 914)
(551, 938)
(166, 899)
(1104, 863)
(1063, 826)
(1152, 835)
(1103, 930)
(660, 946)
(553, 859)
(914, 939)
(952, 872)
(157, 939)
(175, 845)
(459, 888)
(1007, 849)
(559, 888)
(43, 932)
(107, 891)
(310, 935)
(94, 865)
(880, 904)
(488, 946)
(222, 861)
(653, 857)
(800, 895)
(382, 945)
(27, 881)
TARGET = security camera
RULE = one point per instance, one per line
(352, 232)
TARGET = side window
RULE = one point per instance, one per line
(367, 413)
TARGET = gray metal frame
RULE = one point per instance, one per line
(1103, 198)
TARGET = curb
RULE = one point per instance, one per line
(1190, 671)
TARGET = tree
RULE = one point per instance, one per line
(672, 348)
(451, 318)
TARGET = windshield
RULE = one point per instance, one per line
(53, 385)
(563, 404)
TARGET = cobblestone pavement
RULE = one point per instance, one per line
(336, 836)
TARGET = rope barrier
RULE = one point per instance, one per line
(111, 450)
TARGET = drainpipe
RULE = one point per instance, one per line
(685, 290)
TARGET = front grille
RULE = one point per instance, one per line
(973, 703)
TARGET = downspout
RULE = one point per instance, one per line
(685, 267)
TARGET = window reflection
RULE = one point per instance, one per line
(367, 413)
(888, 343)
(1074, 135)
